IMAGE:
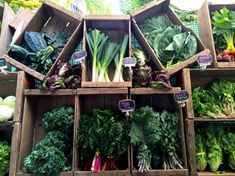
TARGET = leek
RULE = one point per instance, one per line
(118, 61)
(96, 41)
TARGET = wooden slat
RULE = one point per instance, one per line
(216, 174)
(24, 67)
(52, 93)
(182, 138)
(141, 91)
(225, 64)
(173, 172)
(6, 33)
(97, 91)
(208, 119)
(103, 173)
(186, 79)
(106, 84)
(106, 17)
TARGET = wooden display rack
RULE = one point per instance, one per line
(156, 8)
(33, 129)
(160, 99)
(205, 25)
(115, 27)
(103, 98)
(49, 18)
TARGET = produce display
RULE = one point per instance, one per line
(155, 137)
(223, 29)
(5, 150)
(215, 144)
(52, 155)
(144, 75)
(102, 52)
(170, 44)
(215, 101)
(38, 50)
(102, 136)
(7, 107)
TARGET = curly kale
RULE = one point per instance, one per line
(55, 139)
(45, 161)
(59, 119)
(5, 150)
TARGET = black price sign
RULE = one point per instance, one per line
(3, 63)
(129, 61)
(127, 105)
(79, 56)
(182, 96)
(204, 60)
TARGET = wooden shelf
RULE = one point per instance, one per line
(38, 92)
(208, 119)
(103, 173)
(140, 91)
(226, 64)
(95, 91)
(161, 172)
(216, 174)
(6, 124)
(106, 84)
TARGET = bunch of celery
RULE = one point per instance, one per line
(103, 51)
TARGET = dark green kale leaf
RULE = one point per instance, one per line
(5, 150)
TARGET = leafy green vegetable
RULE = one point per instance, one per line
(214, 135)
(224, 25)
(201, 159)
(59, 119)
(229, 147)
(170, 44)
(45, 161)
(215, 101)
(55, 139)
(103, 131)
(5, 150)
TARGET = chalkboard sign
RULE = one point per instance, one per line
(182, 96)
(3, 63)
(79, 56)
(127, 105)
(204, 60)
(129, 61)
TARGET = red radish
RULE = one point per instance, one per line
(226, 52)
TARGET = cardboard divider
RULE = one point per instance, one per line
(87, 102)
(49, 18)
(115, 27)
(161, 101)
(157, 8)
(195, 78)
(205, 26)
(14, 84)
(33, 129)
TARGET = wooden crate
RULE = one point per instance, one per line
(191, 125)
(11, 132)
(205, 23)
(33, 129)
(49, 18)
(156, 8)
(160, 99)
(195, 78)
(14, 84)
(103, 98)
(115, 27)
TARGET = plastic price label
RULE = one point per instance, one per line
(181, 97)
(204, 60)
(127, 105)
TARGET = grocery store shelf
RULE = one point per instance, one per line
(161, 172)
(90, 91)
(47, 92)
(208, 119)
(216, 174)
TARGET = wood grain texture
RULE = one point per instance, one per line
(107, 17)
(90, 84)
(103, 173)
(90, 91)
(140, 91)
(171, 172)
(52, 93)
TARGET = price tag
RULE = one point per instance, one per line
(79, 56)
(204, 60)
(126, 105)
(182, 97)
(129, 62)
(3, 63)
